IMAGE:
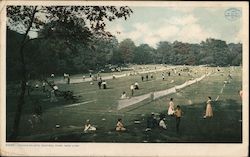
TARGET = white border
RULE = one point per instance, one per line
(109, 149)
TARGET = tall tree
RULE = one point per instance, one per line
(164, 52)
(25, 19)
(127, 48)
(143, 54)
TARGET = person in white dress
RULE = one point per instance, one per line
(89, 127)
(136, 85)
(132, 87)
(171, 107)
(53, 96)
(124, 96)
(162, 124)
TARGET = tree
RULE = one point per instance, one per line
(164, 52)
(143, 54)
(216, 51)
(25, 19)
(235, 53)
(127, 48)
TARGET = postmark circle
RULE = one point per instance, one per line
(232, 14)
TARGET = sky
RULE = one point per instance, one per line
(192, 25)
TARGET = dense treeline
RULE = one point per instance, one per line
(55, 55)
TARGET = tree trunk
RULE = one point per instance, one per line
(20, 103)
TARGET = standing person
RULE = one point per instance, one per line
(171, 107)
(209, 110)
(99, 84)
(28, 87)
(53, 96)
(151, 76)
(241, 93)
(178, 115)
(132, 87)
(68, 79)
(147, 77)
(142, 78)
(119, 125)
(43, 86)
(163, 76)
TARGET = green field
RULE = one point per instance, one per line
(100, 108)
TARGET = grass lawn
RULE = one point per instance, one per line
(100, 108)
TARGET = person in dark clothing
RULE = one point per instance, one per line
(151, 122)
(99, 84)
(68, 80)
(142, 78)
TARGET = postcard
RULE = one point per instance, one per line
(124, 78)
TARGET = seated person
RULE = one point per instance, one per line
(119, 125)
(104, 84)
(136, 85)
(89, 127)
(162, 124)
(124, 96)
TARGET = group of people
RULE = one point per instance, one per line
(147, 77)
(102, 83)
(89, 128)
(134, 86)
(177, 112)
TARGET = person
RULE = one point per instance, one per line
(147, 77)
(136, 85)
(169, 73)
(38, 111)
(89, 127)
(43, 85)
(163, 76)
(104, 84)
(171, 107)
(64, 76)
(113, 76)
(53, 96)
(142, 78)
(209, 110)
(68, 79)
(162, 124)
(178, 115)
(55, 87)
(52, 75)
(241, 93)
(119, 125)
(83, 77)
(99, 84)
(124, 96)
(90, 75)
(28, 87)
(132, 89)
(151, 122)
(151, 76)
